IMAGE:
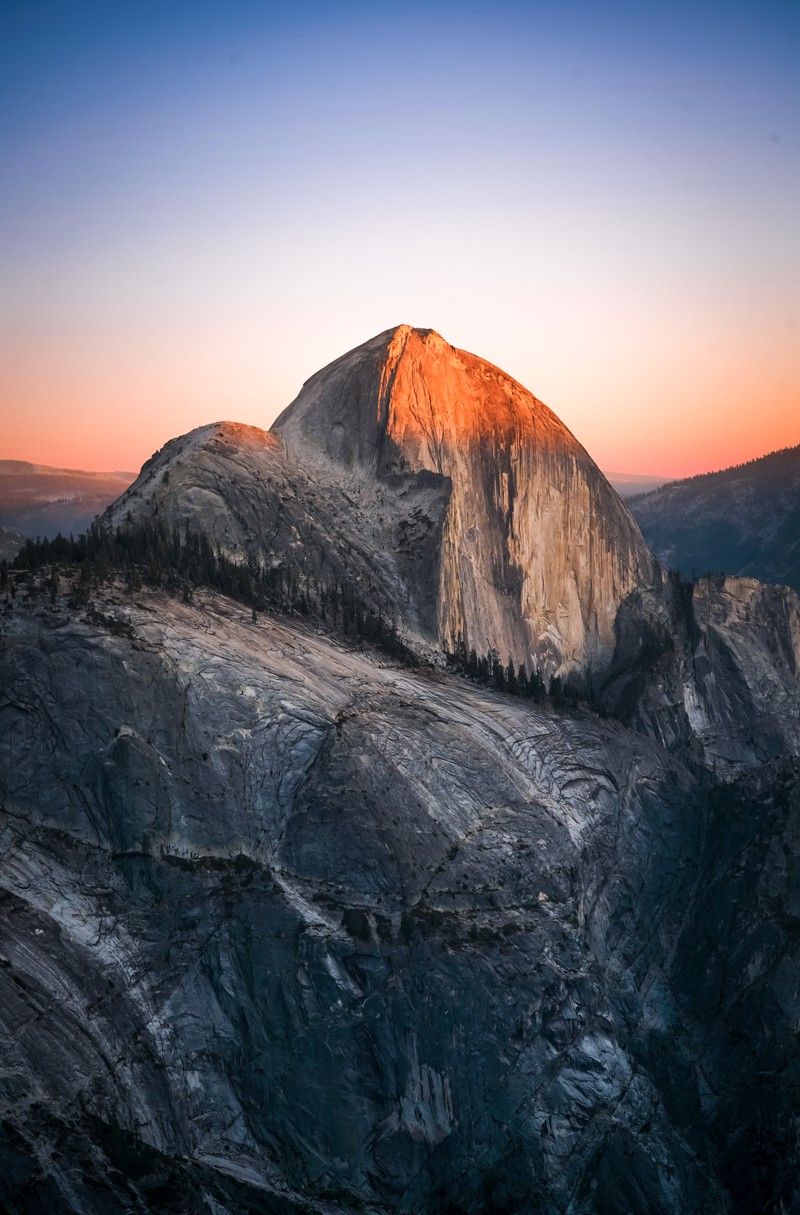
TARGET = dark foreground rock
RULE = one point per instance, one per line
(287, 929)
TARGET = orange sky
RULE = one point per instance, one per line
(87, 404)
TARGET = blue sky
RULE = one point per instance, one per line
(202, 204)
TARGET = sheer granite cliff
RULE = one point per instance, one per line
(287, 929)
(436, 480)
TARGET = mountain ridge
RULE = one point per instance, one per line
(37, 500)
(742, 520)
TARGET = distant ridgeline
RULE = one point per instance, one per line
(744, 520)
(178, 560)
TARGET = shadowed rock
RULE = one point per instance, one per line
(288, 929)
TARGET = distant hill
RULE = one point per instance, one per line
(742, 520)
(628, 484)
(40, 501)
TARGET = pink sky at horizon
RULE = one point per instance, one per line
(147, 406)
(749, 410)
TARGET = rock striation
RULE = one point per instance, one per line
(436, 479)
(710, 669)
(288, 929)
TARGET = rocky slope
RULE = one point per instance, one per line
(10, 543)
(435, 480)
(743, 520)
(288, 929)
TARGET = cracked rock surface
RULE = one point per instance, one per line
(288, 929)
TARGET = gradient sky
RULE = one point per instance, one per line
(202, 204)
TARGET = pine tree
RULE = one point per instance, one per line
(536, 687)
(497, 670)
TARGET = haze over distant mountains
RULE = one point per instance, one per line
(742, 520)
(37, 500)
(628, 484)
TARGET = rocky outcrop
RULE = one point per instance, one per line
(437, 483)
(10, 543)
(289, 929)
(710, 669)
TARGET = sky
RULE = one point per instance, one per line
(202, 204)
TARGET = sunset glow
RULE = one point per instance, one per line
(203, 207)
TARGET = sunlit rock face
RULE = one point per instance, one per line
(435, 483)
(534, 550)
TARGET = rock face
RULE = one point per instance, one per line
(710, 669)
(287, 929)
(743, 520)
(10, 543)
(435, 478)
(536, 549)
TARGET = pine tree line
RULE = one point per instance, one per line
(512, 678)
(180, 559)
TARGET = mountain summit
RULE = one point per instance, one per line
(535, 550)
(435, 481)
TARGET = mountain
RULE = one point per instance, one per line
(40, 501)
(629, 485)
(743, 520)
(453, 497)
(290, 926)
